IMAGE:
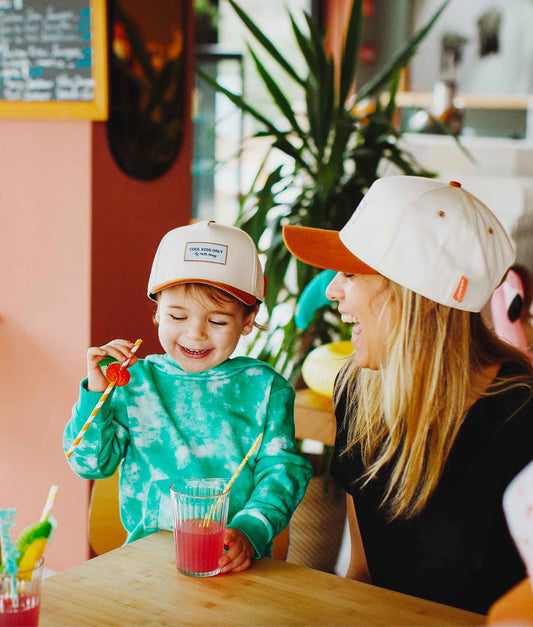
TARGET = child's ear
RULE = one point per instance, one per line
(248, 322)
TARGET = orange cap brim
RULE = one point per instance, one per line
(323, 248)
(244, 297)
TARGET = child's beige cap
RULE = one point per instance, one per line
(206, 252)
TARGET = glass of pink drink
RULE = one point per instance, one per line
(20, 598)
(199, 510)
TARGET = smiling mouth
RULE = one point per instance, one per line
(194, 352)
(349, 319)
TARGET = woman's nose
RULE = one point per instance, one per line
(333, 290)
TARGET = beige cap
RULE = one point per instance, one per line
(434, 238)
(211, 253)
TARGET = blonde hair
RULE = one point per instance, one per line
(406, 415)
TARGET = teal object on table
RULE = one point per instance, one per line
(10, 552)
(312, 298)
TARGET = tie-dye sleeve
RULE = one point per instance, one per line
(280, 476)
(103, 445)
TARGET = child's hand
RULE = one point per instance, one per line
(239, 553)
(119, 349)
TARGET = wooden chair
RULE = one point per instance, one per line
(105, 527)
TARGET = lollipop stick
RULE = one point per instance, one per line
(133, 350)
(212, 510)
(90, 419)
(106, 393)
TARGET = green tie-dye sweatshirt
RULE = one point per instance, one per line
(168, 423)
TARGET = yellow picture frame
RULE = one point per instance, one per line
(95, 109)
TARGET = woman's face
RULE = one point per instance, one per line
(362, 298)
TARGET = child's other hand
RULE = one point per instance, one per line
(239, 553)
(119, 349)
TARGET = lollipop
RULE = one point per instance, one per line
(117, 374)
(105, 394)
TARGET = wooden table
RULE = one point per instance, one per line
(138, 584)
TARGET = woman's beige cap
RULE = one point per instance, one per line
(207, 252)
(436, 239)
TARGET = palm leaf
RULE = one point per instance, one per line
(238, 101)
(254, 224)
(265, 42)
(350, 51)
(305, 46)
(278, 96)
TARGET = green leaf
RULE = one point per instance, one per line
(317, 43)
(254, 224)
(350, 51)
(238, 101)
(278, 96)
(305, 47)
(265, 42)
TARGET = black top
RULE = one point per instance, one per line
(458, 551)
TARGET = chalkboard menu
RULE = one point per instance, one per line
(53, 58)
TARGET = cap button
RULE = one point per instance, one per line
(454, 184)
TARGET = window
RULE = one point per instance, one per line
(221, 173)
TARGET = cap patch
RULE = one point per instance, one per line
(461, 289)
(202, 251)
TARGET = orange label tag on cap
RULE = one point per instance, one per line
(461, 289)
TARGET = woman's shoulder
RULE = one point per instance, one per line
(513, 389)
(510, 369)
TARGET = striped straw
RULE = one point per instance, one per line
(241, 465)
(212, 510)
(102, 400)
(133, 350)
(49, 503)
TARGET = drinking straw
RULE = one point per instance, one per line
(241, 465)
(49, 503)
(102, 400)
(213, 507)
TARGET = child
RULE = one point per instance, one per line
(194, 412)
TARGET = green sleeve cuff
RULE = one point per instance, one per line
(88, 401)
(256, 531)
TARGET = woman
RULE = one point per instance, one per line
(434, 412)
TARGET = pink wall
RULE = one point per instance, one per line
(77, 242)
(45, 200)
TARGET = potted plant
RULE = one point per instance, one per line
(336, 148)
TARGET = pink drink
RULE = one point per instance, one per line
(199, 547)
(27, 614)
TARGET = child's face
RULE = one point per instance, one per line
(198, 333)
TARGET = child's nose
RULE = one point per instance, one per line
(197, 329)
